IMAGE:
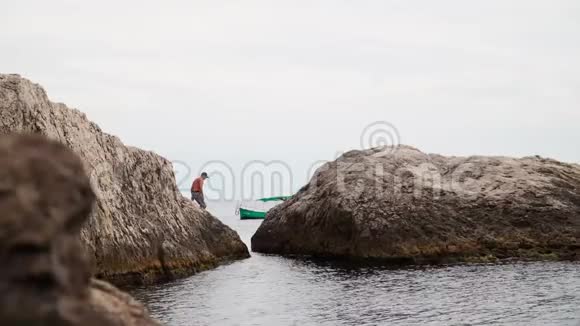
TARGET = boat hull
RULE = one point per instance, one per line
(246, 214)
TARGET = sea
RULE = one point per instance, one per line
(270, 290)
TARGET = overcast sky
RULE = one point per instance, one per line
(298, 81)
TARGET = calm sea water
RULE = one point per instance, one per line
(271, 290)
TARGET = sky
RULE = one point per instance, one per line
(226, 86)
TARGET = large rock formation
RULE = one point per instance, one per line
(410, 207)
(142, 228)
(45, 279)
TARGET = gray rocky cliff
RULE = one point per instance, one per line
(406, 206)
(142, 229)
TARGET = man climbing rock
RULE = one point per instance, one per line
(197, 190)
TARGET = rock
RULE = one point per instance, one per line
(45, 279)
(405, 206)
(117, 306)
(142, 229)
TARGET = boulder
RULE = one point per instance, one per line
(142, 229)
(45, 279)
(399, 205)
(116, 306)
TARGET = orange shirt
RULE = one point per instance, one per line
(197, 185)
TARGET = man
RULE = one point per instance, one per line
(197, 190)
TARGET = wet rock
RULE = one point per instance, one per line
(405, 206)
(118, 307)
(142, 229)
(45, 279)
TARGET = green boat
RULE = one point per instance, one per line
(257, 210)
(247, 214)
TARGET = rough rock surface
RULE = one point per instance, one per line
(45, 279)
(142, 228)
(118, 307)
(410, 207)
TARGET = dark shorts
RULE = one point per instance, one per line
(198, 197)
